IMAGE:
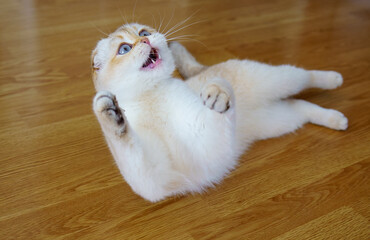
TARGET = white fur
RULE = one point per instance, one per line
(177, 136)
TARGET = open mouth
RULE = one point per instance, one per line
(153, 60)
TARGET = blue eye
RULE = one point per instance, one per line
(144, 33)
(124, 48)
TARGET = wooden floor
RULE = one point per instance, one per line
(58, 179)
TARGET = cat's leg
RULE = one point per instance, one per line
(286, 116)
(185, 62)
(278, 82)
(142, 160)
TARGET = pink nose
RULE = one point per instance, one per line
(145, 40)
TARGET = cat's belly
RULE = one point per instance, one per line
(194, 140)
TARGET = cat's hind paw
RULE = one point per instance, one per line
(337, 120)
(326, 79)
(216, 98)
(107, 108)
(335, 79)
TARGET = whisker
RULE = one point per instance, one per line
(173, 13)
(161, 21)
(153, 19)
(190, 39)
(123, 16)
(188, 35)
(177, 25)
(185, 27)
(175, 38)
(180, 23)
(101, 31)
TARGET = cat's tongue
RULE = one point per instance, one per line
(150, 64)
(153, 60)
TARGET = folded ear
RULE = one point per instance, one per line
(100, 54)
(98, 57)
(95, 63)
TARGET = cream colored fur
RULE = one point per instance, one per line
(170, 136)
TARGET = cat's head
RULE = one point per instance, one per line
(132, 55)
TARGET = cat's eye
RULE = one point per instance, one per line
(124, 48)
(144, 33)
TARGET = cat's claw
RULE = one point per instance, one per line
(216, 98)
(106, 105)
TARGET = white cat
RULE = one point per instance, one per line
(170, 136)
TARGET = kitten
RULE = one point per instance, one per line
(170, 136)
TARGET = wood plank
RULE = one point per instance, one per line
(342, 223)
(293, 208)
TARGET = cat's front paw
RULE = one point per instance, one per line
(216, 98)
(106, 107)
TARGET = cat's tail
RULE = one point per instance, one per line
(185, 62)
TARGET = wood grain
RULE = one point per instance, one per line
(58, 179)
